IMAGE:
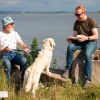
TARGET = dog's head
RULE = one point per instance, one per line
(48, 44)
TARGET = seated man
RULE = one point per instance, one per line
(8, 42)
(88, 29)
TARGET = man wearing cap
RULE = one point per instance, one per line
(8, 42)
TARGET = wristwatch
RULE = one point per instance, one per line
(25, 47)
(88, 38)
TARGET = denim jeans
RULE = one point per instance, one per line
(11, 58)
(89, 47)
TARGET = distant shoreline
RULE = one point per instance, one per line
(22, 12)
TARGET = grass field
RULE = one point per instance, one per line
(66, 91)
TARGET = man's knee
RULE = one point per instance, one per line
(88, 56)
(24, 60)
(7, 63)
(70, 47)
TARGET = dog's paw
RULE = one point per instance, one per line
(27, 88)
(49, 73)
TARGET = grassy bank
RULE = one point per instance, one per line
(54, 92)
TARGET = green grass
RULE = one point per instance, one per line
(66, 91)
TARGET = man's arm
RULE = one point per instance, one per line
(6, 49)
(75, 33)
(24, 47)
(1, 51)
(93, 37)
(95, 34)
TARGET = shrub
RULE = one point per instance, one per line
(33, 52)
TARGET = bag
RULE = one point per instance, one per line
(10, 55)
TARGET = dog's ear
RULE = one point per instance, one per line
(44, 41)
(50, 43)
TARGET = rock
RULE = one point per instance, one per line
(55, 77)
(77, 71)
(15, 73)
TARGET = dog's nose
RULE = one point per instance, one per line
(53, 46)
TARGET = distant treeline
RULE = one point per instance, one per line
(17, 12)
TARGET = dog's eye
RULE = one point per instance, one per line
(43, 42)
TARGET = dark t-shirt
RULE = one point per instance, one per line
(84, 27)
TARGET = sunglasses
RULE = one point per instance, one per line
(78, 14)
(11, 24)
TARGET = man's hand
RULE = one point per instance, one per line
(26, 50)
(83, 38)
(7, 49)
(68, 40)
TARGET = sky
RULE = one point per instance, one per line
(48, 5)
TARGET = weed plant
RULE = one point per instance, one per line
(66, 91)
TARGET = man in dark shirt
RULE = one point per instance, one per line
(88, 29)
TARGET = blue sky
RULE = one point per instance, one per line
(48, 5)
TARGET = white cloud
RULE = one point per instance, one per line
(40, 4)
(10, 2)
(13, 2)
(74, 2)
(86, 2)
(47, 5)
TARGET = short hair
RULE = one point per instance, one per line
(81, 7)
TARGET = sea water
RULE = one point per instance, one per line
(48, 25)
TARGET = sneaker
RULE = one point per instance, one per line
(66, 74)
(87, 84)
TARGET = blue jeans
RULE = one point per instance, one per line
(89, 47)
(11, 58)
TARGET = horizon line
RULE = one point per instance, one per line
(3, 11)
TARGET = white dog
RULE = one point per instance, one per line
(33, 72)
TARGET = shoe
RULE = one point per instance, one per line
(87, 84)
(66, 74)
